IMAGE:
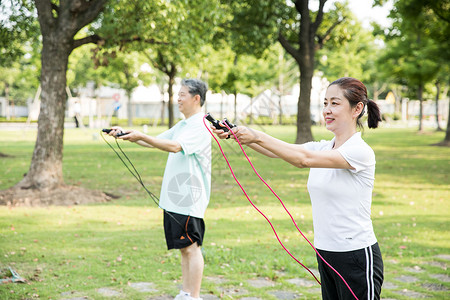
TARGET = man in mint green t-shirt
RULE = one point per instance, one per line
(186, 184)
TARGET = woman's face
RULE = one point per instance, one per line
(338, 114)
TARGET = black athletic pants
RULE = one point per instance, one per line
(362, 269)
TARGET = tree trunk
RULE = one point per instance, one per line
(280, 87)
(128, 92)
(235, 106)
(221, 104)
(438, 90)
(304, 133)
(420, 95)
(280, 105)
(375, 91)
(130, 108)
(446, 140)
(398, 101)
(8, 104)
(447, 132)
(46, 165)
(250, 115)
(306, 66)
(308, 43)
(163, 111)
(170, 102)
(44, 184)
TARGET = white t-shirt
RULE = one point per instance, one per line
(186, 185)
(341, 198)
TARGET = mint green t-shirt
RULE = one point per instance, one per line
(186, 185)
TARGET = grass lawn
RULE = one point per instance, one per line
(65, 252)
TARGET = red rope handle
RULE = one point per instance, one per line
(282, 203)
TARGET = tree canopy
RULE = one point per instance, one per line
(415, 52)
(233, 45)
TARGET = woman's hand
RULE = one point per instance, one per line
(220, 132)
(246, 135)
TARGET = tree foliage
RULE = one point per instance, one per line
(18, 30)
(19, 66)
(415, 52)
(349, 52)
(251, 25)
(168, 33)
(300, 30)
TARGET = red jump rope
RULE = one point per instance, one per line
(228, 127)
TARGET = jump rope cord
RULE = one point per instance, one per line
(135, 173)
(276, 195)
(138, 177)
(248, 198)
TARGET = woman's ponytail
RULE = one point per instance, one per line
(373, 114)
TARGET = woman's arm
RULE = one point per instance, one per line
(294, 154)
(223, 135)
(262, 150)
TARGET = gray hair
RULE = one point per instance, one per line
(196, 87)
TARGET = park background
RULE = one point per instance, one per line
(75, 224)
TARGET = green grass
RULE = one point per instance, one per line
(82, 248)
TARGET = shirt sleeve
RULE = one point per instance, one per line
(194, 139)
(315, 146)
(360, 157)
(168, 134)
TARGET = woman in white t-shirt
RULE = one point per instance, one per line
(340, 185)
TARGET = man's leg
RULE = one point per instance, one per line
(192, 269)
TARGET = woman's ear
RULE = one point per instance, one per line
(359, 108)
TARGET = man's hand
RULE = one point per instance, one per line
(131, 136)
(115, 130)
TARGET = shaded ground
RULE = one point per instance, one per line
(300, 288)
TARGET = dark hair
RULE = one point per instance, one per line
(196, 87)
(355, 91)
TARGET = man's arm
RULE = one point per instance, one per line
(144, 144)
(151, 141)
(146, 140)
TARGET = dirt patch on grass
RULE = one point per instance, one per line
(62, 196)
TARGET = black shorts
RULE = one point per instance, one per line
(182, 231)
(362, 269)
